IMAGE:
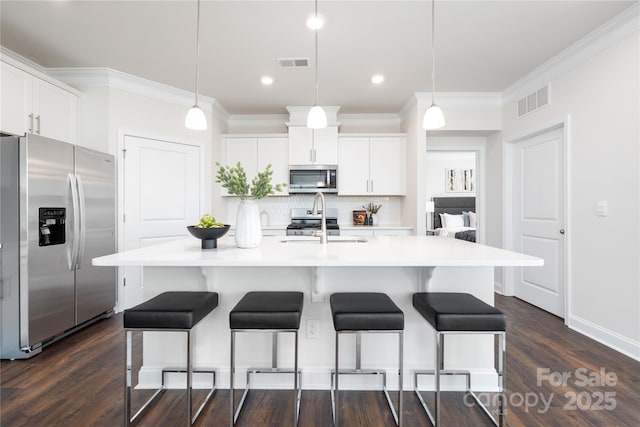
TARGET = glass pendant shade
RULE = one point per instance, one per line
(433, 118)
(195, 119)
(317, 118)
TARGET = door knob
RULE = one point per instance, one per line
(562, 231)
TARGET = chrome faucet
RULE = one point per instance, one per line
(323, 224)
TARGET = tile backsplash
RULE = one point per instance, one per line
(278, 208)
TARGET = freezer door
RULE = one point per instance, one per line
(47, 297)
(95, 286)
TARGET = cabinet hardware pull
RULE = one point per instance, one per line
(562, 231)
(38, 122)
(31, 122)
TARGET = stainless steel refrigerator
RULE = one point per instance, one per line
(57, 212)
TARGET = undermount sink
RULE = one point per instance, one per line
(330, 239)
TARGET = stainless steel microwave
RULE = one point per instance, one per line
(314, 178)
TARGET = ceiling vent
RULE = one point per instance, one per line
(534, 101)
(293, 62)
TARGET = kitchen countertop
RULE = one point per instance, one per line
(383, 251)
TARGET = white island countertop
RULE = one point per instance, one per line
(383, 251)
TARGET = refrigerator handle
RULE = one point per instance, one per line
(82, 222)
(76, 221)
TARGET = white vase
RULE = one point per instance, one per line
(248, 229)
(374, 219)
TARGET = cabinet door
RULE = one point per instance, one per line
(353, 166)
(54, 110)
(325, 145)
(388, 166)
(300, 146)
(275, 151)
(16, 97)
(245, 151)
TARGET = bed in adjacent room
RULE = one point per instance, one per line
(455, 217)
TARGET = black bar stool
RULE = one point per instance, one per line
(168, 312)
(457, 313)
(366, 312)
(273, 312)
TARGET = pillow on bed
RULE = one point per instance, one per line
(465, 216)
(453, 220)
(472, 219)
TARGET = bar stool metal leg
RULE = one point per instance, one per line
(439, 371)
(189, 377)
(335, 399)
(232, 415)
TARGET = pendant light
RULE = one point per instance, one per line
(433, 117)
(317, 118)
(196, 119)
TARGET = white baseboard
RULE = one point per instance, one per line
(318, 379)
(611, 339)
(498, 287)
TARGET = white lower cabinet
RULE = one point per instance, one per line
(372, 166)
(255, 153)
(33, 105)
(374, 231)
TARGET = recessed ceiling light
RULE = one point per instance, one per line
(315, 22)
(266, 80)
(377, 79)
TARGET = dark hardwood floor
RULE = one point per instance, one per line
(79, 381)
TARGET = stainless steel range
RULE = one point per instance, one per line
(303, 223)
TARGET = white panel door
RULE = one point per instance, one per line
(539, 219)
(161, 198)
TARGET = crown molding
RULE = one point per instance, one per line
(390, 121)
(107, 77)
(30, 67)
(461, 99)
(298, 115)
(619, 27)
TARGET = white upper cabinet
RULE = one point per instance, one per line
(255, 153)
(275, 152)
(313, 146)
(372, 165)
(30, 104)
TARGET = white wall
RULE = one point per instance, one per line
(601, 97)
(412, 214)
(437, 164)
(493, 199)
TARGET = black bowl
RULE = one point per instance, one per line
(208, 236)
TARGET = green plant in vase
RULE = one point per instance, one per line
(234, 180)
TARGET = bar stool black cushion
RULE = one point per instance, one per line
(362, 311)
(458, 312)
(171, 310)
(267, 310)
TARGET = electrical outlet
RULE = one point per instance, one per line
(313, 329)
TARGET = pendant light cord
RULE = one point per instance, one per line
(316, 47)
(433, 50)
(197, 48)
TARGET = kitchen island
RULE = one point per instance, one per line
(396, 265)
